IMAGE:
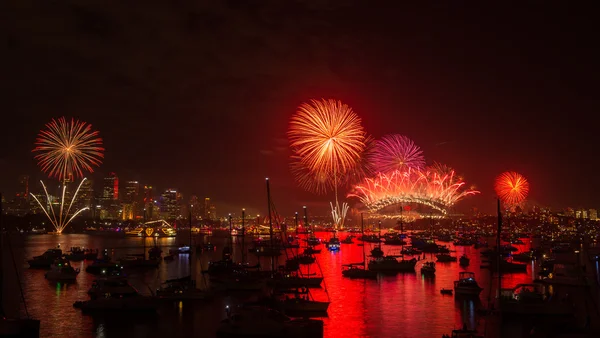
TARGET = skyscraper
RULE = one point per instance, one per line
(149, 211)
(110, 198)
(130, 200)
(170, 207)
(210, 211)
(195, 207)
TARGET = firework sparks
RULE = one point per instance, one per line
(431, 187)
(397, 152)
(68, 148)
(327, 136)
(61, 218)
(327, 140)
(512, 188)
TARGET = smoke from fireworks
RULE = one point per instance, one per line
(397, 152)
(512, 188)
(68, 148)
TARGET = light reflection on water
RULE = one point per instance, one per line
(405, 305)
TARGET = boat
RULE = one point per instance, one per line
(467, 285)
(181, 289)
(103, 266)
(446, 291)
(46, 259)
(303, 305)
(333, 244)
(463, 333)
(301, 259)
(38, 231)
(295, 280)
(311, 251)
(255, 321)
(13, 327)
(410, 251)
(75, 254)
(62, 271)
(359, 270)
(445, 258)
(138, 261)
(391, 264)
(524, 257)
(428, 268)
(265, 251)
(531, 299)
(112, 286)
(348, 240)
(464, 260)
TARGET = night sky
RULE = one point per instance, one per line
(198, 96)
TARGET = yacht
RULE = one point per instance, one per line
(75, 254)
(464, 260)
(377, 252)
(428, 268)
(391, 264)
(103, 266)
(302, 305)
(62, 271)
(532, 299)
(112, 286)
(444, 257)
(181, 289)
(262, 322)
(466, 284)
(348, 240)
(138, 261)
(333, 244)
(293, 280)
(46, 259)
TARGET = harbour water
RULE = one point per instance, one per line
(403, 305)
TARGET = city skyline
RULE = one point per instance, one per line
(203, 121)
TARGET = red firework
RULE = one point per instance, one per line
(68, 148)
(511, 187)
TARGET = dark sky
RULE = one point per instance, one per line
(198, 96)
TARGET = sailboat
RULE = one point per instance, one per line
(183, 288)
(390, 263)
(17, 327)
(359, 270)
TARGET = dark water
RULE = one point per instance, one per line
(405, 305)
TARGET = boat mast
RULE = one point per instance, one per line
(362, 234)
(1, 263)
(296, 224)
(230, 234)
(270, 225)
(499, 252)
(307, 237)
(191, 251)
(144, 236)
(243, 235)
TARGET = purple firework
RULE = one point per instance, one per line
(397, 152)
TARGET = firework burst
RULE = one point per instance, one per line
(512, 188)
(65, 149)
(327, 136)
(397, 152)
(327, 140)
(431, 187)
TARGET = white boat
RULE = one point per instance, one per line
(467, 285)
(62, 271)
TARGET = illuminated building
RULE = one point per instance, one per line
(593, 213)
(149, 204)
(170, 207)
(210, 211)
(195, 207)
(86, 197)
(131, 204)
(110, 198)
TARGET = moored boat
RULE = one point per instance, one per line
(62, 271)
(428, 268)
(467, 285)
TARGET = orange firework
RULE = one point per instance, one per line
(512, 188)
(68, 148)
(327, 137)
